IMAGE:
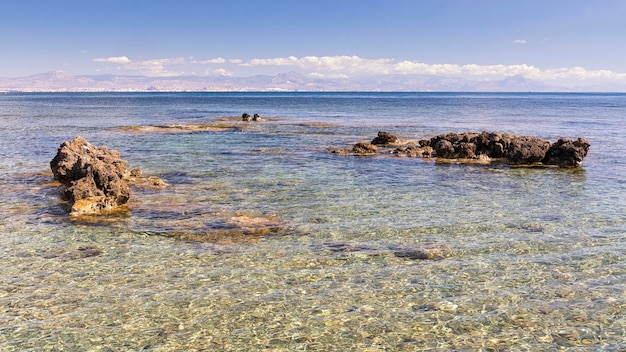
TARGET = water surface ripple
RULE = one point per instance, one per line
(531, 259)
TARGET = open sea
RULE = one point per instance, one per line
(532, 259)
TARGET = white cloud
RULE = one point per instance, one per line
(350, 64)
(331, 75)
(519, 41)
(218, 60)
(153, 67)
(341, 66)
(113, 59)
(280, 61)
(344, 66)
(218, 72)
(578, 73)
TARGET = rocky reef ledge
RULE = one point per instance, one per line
(483, 147)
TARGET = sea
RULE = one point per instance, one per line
(362, 253)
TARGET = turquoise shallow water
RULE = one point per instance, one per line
(534, 258)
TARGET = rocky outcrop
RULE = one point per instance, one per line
(92, 178)
(385, 138)
(364, 148)
(515, 150)
(482, 147)
(360, 148)
(567, 153)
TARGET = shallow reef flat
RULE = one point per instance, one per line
(181, 128)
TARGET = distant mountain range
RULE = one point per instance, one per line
(292, 81)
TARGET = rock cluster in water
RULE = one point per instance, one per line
(246, 117)
(92, 178)
(482, 147)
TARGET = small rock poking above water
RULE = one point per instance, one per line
(246, 117)
(385, 138)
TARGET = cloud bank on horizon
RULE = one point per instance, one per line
(345, 66)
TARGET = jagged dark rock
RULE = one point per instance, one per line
(526, 150)
(385, 138)
(92, 179)
(444, 149)
(484, 147)
(567, 153)
(515, 150)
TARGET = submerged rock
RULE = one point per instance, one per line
(136, 178)
(92, 179)
(415, 251)
(236, 229)
(73, 253)
(422, 251)
(412, 150)
(181, 128)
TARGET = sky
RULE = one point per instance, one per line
(548, 40)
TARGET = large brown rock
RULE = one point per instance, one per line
(91, 177)
(526, 150)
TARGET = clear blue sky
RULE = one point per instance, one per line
(322, 38)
